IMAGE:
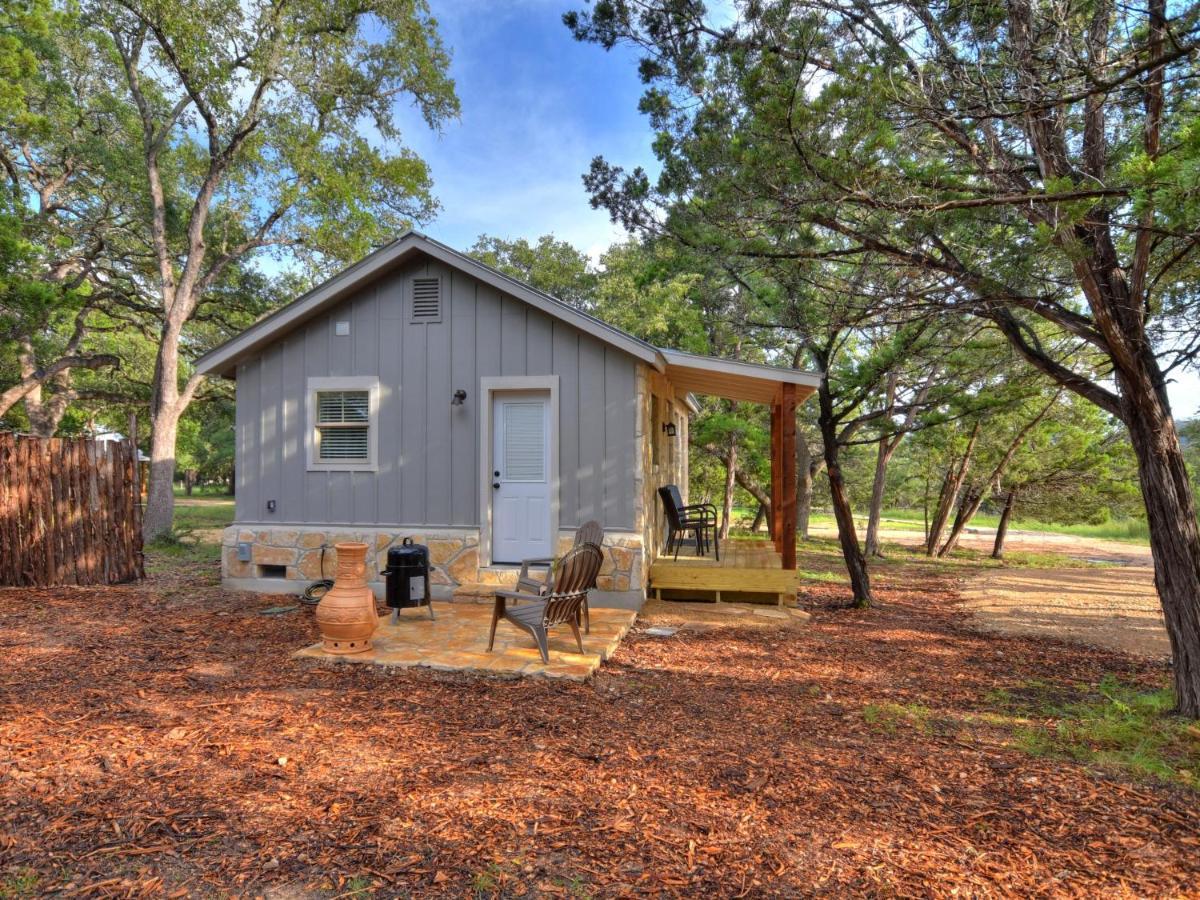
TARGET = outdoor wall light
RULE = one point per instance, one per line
(459, 396)
(669, 428)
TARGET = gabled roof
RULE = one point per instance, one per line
(688, 372)
(223, 359)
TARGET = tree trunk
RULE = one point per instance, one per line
(969, 509)
(875, 512)
(971, 501)
(941, 511)
(886, 448)
(804, 485)
(189, 481)
(948, 497)
(1171, 514)
(744, 482)
(46, 413)
(730, 481)
(856, 563)
(1002, 528)
(759, 519)
(166, 407)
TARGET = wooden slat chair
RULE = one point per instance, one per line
(699, 519)
(591, 532)
(561, 606)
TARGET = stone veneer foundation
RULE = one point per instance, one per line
(293, 555)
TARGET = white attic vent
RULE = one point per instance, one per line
(426, 300)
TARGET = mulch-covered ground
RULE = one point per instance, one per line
(160, 740)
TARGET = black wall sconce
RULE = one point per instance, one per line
(669, 428)
(459, 396)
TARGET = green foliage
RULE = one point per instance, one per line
(653, 292)
(285, 92)
(1189, 435)
(550, 265)
(161, 151)
(205, 444)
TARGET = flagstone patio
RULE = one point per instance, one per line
(456, 641)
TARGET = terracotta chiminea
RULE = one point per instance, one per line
(346, 614)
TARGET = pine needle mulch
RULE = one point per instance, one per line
(159, 740)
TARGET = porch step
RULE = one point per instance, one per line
(706, 577)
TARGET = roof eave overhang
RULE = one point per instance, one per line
(733, 379)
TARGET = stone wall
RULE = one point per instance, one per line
(672, 467)
(453, 554)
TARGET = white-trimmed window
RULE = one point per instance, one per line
(343, 423)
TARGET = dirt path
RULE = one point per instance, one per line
(1112, 605)
(204, 501)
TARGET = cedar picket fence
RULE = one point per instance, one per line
(70, 512)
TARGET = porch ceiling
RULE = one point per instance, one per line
(734, 380)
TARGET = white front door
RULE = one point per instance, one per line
(520, 476)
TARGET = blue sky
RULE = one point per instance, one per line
(536, 107)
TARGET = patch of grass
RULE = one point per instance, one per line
(357, 886)
(487, 883)
(1132, 530)
(194, 538)
(205, 490)
(1111, 725)
(176, 546)
(1031, 559)
(1023, 559)
(831, 577)
(21, 883)
(888, 717)
(575, 887)
(209, 515)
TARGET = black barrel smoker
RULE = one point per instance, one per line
(404, 563)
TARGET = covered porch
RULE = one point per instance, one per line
(748, 568)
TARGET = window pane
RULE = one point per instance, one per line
(344, 444)
(524, 442)
(336, 407)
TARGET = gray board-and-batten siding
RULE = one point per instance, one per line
(428, 468)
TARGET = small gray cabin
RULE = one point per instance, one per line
(421, 393)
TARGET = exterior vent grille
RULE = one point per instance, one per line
(426, 300)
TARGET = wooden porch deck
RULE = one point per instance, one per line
(748, 569)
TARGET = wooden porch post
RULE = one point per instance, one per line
(776, 476)
(787, 449)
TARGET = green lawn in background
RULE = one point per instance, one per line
(196, 536)
(1134, 530)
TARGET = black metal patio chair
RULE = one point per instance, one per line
(698, 519)
(575, 572)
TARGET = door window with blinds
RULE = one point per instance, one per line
(525, 441)
(342, 423)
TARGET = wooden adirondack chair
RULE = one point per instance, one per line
(591, 532)
(575, 573)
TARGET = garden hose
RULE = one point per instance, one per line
(314, 592)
